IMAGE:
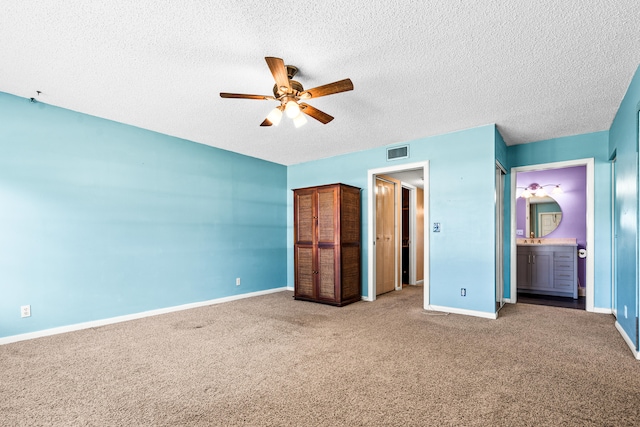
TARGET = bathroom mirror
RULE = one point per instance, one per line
(545, 216)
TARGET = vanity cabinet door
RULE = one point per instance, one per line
(523, 269)
(541, 269)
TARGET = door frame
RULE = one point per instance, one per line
(589, 273)
(371, 215)
(614, 239)
(500, 178)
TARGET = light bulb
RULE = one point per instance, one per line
(292, 109)
(299, 120)
(557, 190)
(540, 192)
(275, 116)
(526, 193)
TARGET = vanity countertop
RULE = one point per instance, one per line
(547, 241)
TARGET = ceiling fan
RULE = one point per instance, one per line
(289, 92)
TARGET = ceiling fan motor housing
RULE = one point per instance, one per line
(296, 88)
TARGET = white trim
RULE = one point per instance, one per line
(614, 226)
(590, 264)
(601, 310)
(628, 340)
(371, 177)
(291, 288)
(464, 312)
(499, 183)
(134, 316)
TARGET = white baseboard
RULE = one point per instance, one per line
(628, 340)
(462, 311)
(125, 318)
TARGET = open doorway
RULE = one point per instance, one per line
(526, 227)
(409, 243)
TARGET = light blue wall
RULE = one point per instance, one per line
(462, 188)
(623, 138)
(100, 219)
(592, 145)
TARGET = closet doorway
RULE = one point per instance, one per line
(385, 228)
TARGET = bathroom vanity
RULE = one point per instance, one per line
(548, 267)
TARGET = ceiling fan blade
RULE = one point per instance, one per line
(320, 116)
(245, 96)
(266, 122)
(279, 71)
(330, 89)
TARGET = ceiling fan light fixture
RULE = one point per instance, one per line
(275, 116)
(299, 120)
(292, 109)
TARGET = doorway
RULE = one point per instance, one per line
(590, 239)
(407, 229)
(417, 244)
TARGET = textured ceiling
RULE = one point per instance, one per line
(539, 69)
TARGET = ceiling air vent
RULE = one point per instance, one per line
(396, 153)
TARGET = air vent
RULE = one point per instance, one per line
(396, 153)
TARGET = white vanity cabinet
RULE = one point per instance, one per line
(548, 270)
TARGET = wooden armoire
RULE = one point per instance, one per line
(327, 244)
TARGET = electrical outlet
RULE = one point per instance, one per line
(463, 292)
(436, 227)
(25, 311)
(237, 281)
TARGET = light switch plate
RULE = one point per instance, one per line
(436, 227)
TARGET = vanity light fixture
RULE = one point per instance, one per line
(537, 190)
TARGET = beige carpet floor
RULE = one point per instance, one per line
(274, 361)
